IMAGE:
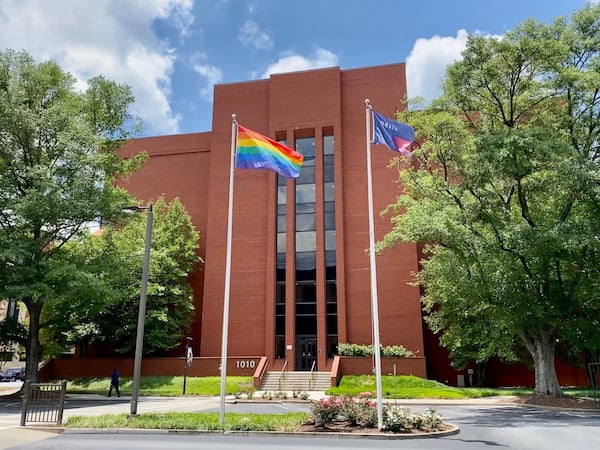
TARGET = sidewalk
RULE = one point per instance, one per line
(260, 397)
(13, 437)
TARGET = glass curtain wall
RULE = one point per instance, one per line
(330, 246)
(306, 258)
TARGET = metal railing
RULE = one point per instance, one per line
(43, 402)
(312, 375)
(283, 374)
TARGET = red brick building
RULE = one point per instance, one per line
(300, 272)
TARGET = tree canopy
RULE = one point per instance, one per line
(504, 190)
(58, 168)
(105, 312)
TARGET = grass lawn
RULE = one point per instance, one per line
(404, 386)
(193, 421)
(401, 386)
(162, 386)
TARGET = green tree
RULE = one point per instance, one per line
(104, 310)
(505, 191)
(58, 167)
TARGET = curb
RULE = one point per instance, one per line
(454, 429)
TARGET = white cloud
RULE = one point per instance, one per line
(250, 34)
(107, 37)
(212, 74)
(427, 62)
(291, 62)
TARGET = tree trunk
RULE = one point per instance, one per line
(542, 346)
(33, 348)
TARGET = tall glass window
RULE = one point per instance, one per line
(280, 271)
(306, 241)
(330, 246)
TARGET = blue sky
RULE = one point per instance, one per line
(172, 52)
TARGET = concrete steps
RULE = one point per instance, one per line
(296, 381)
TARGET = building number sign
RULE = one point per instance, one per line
(245, 364)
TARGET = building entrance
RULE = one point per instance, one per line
(306, 352)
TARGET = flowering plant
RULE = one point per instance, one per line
(362, 411)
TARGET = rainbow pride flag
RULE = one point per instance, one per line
(255, 151)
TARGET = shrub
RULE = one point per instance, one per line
(357, 412)
(431, 419)
(323, 412)
(362, 411)
(300, 394)
(397, 351)
(397, 419)
(355, 350)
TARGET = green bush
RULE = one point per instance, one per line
(355, 350)
(397, 351)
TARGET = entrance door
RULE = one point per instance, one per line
(306, 352)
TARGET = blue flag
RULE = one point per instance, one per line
(397, 136)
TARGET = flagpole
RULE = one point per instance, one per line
(374, 303)
(227, 274)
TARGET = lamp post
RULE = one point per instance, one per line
(188, 360)
(139, 341)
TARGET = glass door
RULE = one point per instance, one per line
(306, 352)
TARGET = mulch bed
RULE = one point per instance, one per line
(344, 427)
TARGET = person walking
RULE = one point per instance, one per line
(114, 383)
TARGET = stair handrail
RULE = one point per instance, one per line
(283, 373)
(312, 374)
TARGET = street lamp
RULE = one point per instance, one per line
(139, 341)
(189, 357)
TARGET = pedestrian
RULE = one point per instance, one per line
(114, 383)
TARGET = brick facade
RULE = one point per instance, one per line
(195, 168)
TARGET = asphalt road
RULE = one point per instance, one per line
(482, 427)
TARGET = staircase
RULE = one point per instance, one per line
(296, 381)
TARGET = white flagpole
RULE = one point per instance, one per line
(227, 274)
(374, 303)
